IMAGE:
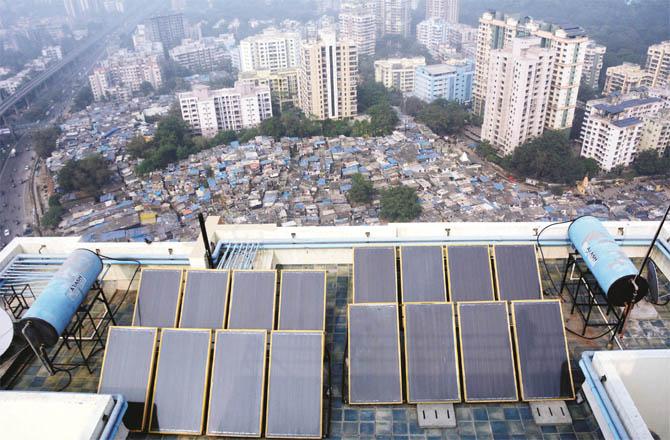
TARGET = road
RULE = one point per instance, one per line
(16, 208)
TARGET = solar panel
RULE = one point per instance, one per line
(469, 273)
(517, 272)
(178, 402)
(238, 382)
(486, 352)
(422, 274)
(374, 354)
(541, 349)
(252, 299)
(205, 299)
(157, 298)
(127, 367)
(430, 352)
(302, 300)
(295, 385)
(375, 275)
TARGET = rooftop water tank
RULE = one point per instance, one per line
(54, 308)
(610, 266)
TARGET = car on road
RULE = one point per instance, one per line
(6, 233)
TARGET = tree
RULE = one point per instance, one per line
(371, 93)
(54, 214)
(383, 119)
(648, 163)
(361, 190)
(146, 88)
(444, 117)
(44, 140)
(137, 147)
(83, 99)
(88, 175)
(586, 93)
(550, 158)
(413, 106)
(400, 204)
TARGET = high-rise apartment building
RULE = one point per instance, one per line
(658, 64)
(83, 8)
(166, 29)
(209, 111)
(568, 47)
(360, 26)
(270, 50)
(202, 55)
(452, 81)
(593, 64)
(446, 9)
(656, 132)
(327, 79)
(394, 17)
(122, 74)
(617, 127)
(436, 34)
(625, 78)
(283, 84)
(398, 73)
(517, 93)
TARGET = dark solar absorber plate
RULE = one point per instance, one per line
(486, 352)
(252, 300)
(422, 274)
(179, 387)
(237, 382)
(205, 299)
(430, 352)
(375, 275)
(374, 354)
(517, 272)
(158, 298)
(302, 302)
(295, 385)
(542, 352)
(470, 277)
(127, 368)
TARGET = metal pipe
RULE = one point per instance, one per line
(205, 239)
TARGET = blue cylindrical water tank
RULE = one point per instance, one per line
(610, 266)
(52, 311)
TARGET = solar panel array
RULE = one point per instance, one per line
(484, 284)
(469, 337)
(240, 307)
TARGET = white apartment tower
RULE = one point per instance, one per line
(593, 64)
(658, 64)
(568, 47)
(394, 17)
(617, 127)
(625, 78)
(398, 73)
(446, 9)
(271, 50)
(360, 26)
(210, 111)
(327, 79)
(517, 93)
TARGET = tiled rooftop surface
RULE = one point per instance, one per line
(399, 422)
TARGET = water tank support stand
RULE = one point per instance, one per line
(587, 297)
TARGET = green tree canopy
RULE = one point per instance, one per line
(400, 204)
(444, 117)
(550, 158)
(83, 98)
(383, 119)
(88, 175)
(648, 163)
(45, 139)
(361, 190)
